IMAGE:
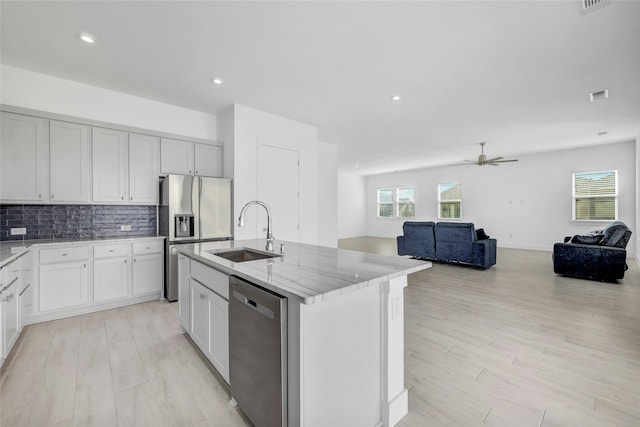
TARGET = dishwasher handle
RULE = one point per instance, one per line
(253, 305)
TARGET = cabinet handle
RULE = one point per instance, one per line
(134, 260)
(196, 172)
(189, 170)
(122, 198)
(85, 265)
(125, 261)
(111, 250)
(65, 254)
(52, 196)
(131, 198)
(148, 247)
(40, 196)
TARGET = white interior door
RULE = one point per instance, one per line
(278, 186)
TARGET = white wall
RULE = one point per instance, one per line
(637, 230)
(352, 202)
(523, 205)
(327, 194)
(26, 89)
(253, 128)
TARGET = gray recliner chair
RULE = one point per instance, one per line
(599, 255)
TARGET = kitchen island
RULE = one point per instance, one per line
(345, 327)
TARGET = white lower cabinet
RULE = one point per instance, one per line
(219, 334)
(64, 285)
(25, 296)
(74, 279)
(9, 322)
(147, 274)
(110, 278)
(208, 313)
(184, 298)
(199, 329)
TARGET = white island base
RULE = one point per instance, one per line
(346, 358)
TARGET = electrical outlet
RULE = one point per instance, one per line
(125, 228)
(18, 231)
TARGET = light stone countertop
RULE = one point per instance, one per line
(307, 273)
(12, 249)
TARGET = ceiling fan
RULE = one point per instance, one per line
(482, 159)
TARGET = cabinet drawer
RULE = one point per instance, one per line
(211, 278)
(109, 251)
(72, 253)
(10, 273)
(150, 247)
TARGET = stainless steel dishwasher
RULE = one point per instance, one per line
(258, 352)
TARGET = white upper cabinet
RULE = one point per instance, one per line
(24, 158)
(143, 168)
(208, 160)
(189, 158)
(70, 162)
(110, 165)
(125, 167)
(176, 157)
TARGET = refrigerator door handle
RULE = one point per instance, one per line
(198, 207)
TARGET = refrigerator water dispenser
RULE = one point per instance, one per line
(184, 226)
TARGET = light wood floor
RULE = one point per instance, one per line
(516, 345)
(510, 346)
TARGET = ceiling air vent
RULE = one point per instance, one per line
(597, 96)
(588, 5)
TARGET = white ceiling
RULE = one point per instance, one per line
(516, 74)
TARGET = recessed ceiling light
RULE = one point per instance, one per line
(356, 166)
(217, 80)
(87, 38)
(395, 98)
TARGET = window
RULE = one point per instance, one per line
(385, 203)
(406, 205)
(595, 196)
(450, 200)
(396, 202)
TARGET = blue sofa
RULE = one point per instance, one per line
(454, 242)
(599, 255)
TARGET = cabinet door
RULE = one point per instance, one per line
(109, 165)
(143, 168)
(70, 162)
(199, 326)
(219, 334)
(184, 274)
(110, 278)
(176, 157)
(26, 305)
(10, 321)
(63, 285)
(208, 160)
(25, 294)
(147, 273)
(24, 158)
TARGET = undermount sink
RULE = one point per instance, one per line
(243, 254)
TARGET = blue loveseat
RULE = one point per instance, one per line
(599, 255)
(455, 242)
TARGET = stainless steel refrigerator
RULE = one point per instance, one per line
(192, 209)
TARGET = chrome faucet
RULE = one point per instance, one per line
(270, 238)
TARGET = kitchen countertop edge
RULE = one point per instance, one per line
(292, 288)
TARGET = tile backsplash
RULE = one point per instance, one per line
(76, 221)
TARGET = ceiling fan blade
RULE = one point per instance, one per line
(493, 160)
(506, 161)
